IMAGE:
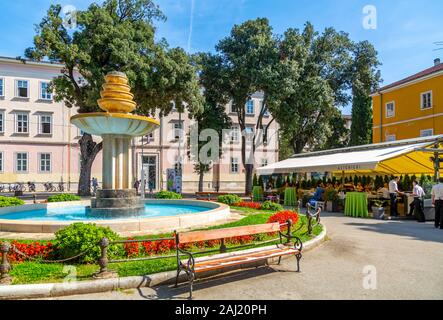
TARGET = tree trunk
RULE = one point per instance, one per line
(88, 151)
(298, 145)
(200, 181)
(249, 169)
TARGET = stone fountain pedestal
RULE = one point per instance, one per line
(110, 203)
(117, 127)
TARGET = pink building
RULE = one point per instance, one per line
(38, 143)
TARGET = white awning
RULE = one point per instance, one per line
(400, 157)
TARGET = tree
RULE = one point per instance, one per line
(248, 54)
(310, 82)
(365, 79)
(339, 134)
(213, 115)
(115, 36)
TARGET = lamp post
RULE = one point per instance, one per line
(142, 174)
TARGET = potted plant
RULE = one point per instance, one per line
(378, 209)
(331, 200)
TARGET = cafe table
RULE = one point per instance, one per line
(290, 197)
(356, 205)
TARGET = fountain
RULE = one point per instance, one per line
(117, 126)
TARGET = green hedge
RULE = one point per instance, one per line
(79, 237)
(272, 206)
(168, 195)
(63, 197)
(229, 199)
(10, 201)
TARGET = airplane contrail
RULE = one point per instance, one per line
(191, 25)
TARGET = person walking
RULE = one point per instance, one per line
(393, 193)
(437, 202)
(137, 185)
(418, 194)
(94, 185)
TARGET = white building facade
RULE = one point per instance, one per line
(38, 143)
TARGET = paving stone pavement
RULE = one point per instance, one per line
(407, 257)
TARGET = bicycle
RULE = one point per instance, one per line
(49, 187)
(31, 186)
(20, 187)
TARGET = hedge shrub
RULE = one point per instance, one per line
(229, 199)
(79, 237)
(10, 201)
(63, 197)
(272, 206)
(168, 195)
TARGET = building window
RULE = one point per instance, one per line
(264, 135)
(426, 100)
(45, 93)
(234, 165)
(250, 107)
(426, 133)
(235, 134)
(1, 161)
(249, 131)
(45, 124)
(22, 122)
(264, 162)
(45, 162)
(2, 87)
(390, 109)
(2, 122)
(22, 90)
(177, 130)
(232, 108)
(21, 162)
(391, 137)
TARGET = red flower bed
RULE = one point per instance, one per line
(283, 217)
(33, 250)
(132, 249)
(240, 240)
(251, 205)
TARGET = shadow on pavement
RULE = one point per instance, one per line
(415, 230)
(165, 292)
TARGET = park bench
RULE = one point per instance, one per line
(287, 244)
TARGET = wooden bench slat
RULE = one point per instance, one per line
(241, 255)
(194, 236)
(242, 260)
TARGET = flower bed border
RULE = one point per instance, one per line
(32, 291)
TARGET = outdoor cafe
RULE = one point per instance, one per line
(421, 157)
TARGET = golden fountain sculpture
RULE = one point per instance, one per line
(117, 126)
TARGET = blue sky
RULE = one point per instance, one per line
(405, 34)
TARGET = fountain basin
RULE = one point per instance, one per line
(106, 123)
(160, 216)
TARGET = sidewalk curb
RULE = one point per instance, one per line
(48, 290)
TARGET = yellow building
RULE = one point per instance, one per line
(410, 108)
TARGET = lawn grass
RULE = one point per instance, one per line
(34, 272)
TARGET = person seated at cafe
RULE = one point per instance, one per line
(359, 187)
(318, 195)
(384, 191)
